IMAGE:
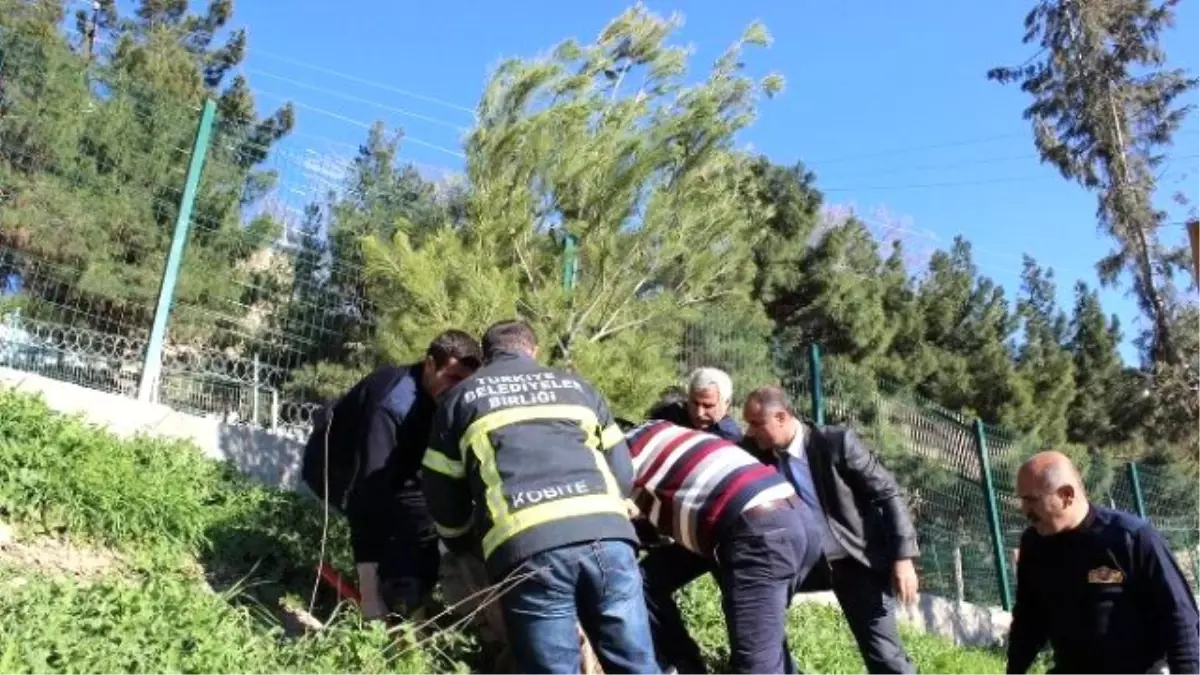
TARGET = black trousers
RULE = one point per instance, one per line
(408, 565)
(865, 596)
(759, 564)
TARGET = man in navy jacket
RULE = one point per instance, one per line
(382, 424)
(1099, 585)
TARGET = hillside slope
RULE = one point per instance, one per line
(143, 556)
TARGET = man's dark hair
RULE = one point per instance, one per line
(669, 397)
(509, 335)
(457, 345)
(772, 397)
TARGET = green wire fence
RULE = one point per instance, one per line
(959, 474)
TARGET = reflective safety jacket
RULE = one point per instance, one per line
(526, 458)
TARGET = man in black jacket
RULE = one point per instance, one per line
(1100, 586)
(869, 542)
(373, 441)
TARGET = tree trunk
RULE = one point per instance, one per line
(1163, 345)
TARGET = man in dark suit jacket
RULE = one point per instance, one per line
(870, 542)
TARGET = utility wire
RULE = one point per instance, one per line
(915, 148)
(356, 122)
(978, 140)
(985, 181)
(360, 80)
(358, 99)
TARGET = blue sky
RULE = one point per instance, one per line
(887, 102)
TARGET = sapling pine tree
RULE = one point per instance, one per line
(603, 145)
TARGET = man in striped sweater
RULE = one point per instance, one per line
(729, 515)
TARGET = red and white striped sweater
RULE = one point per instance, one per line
(693, 485)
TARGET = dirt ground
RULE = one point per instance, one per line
(53, 556)
(42, 555)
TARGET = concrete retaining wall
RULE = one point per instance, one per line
(271, 458)
(961, 622)
(275, 460)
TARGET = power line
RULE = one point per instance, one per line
(921, 186)
(916, 148)
(979, 140)
(986, 181)
(357, 99)
(354, 148)
(356, 122)
(944, 165)
(361, 80)
(351, 97)
(346, 76)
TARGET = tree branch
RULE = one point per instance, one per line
(608, 329)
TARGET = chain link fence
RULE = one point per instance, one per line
(164, 249)
(959, 476)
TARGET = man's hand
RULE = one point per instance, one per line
(373, 607)
(904, 580)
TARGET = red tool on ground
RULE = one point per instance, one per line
(344, 588)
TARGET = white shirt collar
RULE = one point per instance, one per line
(796, 447)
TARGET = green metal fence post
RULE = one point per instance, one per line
(152, 366)
(815, 384)
(570, 261)
(993, 515)
(1135, 486)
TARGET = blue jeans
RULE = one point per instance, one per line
(598, 583)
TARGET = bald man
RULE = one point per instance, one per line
(1099, 585)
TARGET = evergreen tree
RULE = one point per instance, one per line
(1103, 107)
(93, 157)
(1093, 340)
(794, 210)
(907, 360)
(968, 326)
(602, 151)
(333, 315)
(1042, 359)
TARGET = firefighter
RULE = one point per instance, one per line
(527, 463)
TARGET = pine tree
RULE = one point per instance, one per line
(907, 361)
(97, 177)
(603, 150)
(795, 210)
(968, 327)
(1093, 340)
(1042, 359)
(1103, 108)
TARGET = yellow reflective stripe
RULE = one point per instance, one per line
(489, 473)
(593, 439)
(611, 435)
(560, 509)
(439, 462)
(505, 525)
(610, 481)
(446, 532)
(490, 422)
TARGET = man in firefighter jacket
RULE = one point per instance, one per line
(527, 463)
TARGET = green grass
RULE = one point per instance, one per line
(183, 525)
